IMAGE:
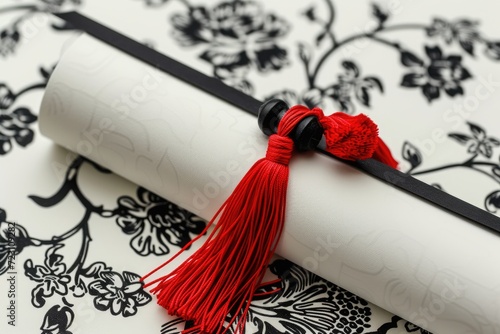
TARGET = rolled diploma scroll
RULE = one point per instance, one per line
(411, 258)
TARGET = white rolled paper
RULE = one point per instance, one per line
(411, 258)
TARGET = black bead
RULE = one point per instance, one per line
(306, 136)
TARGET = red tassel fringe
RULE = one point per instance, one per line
(383, 154)
(222, 276)
(215, 285)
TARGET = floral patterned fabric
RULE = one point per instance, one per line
(75, 238)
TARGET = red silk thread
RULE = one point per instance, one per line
(215, 285)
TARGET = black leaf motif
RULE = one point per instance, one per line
(320, 38)
(496, 172)
(304, 53)
(493, 50)
(379, 14)
(413, 80)
(492, 201)
(373, 82)
(468, 46)
(477, 131)
(431, 92)
(57, 320)
(7, 97)
(434, 52)
(461, 138)
(351, 68)
(409, 59)
(95, 269)
(53, 200)
(412, 154)
(310, 13)
(13, 239)
(363, 96)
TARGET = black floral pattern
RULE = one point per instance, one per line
(15, 122)
(397, 325)
(350, 85)
(9, 38)
(302, 302)
(466, 33)
(10, 34)
(227, 30)
(463, 31)
(13, 239)
(14, 127)
(155, 223)
(238, 36)
(478, 145)
(57, 320)
(52, 277)
(441, 73)
(121, 294)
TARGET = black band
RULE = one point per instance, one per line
(251, 105)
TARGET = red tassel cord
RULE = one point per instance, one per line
(214, 287)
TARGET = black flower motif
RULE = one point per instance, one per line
(239, 36)
(310, 98)
(441, 73)
(398, 325)
(13, 239)
(9, 39)
(7, 97)
(15, 126)
(300, 302)
(307, 304)
(57, 320)
(352, 84)
(119, 293)
(156, 223)
(51, 277)
(349, 84)
(479, 143)
(463, 31)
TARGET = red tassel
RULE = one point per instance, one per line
(383, 154)
(221, 277)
